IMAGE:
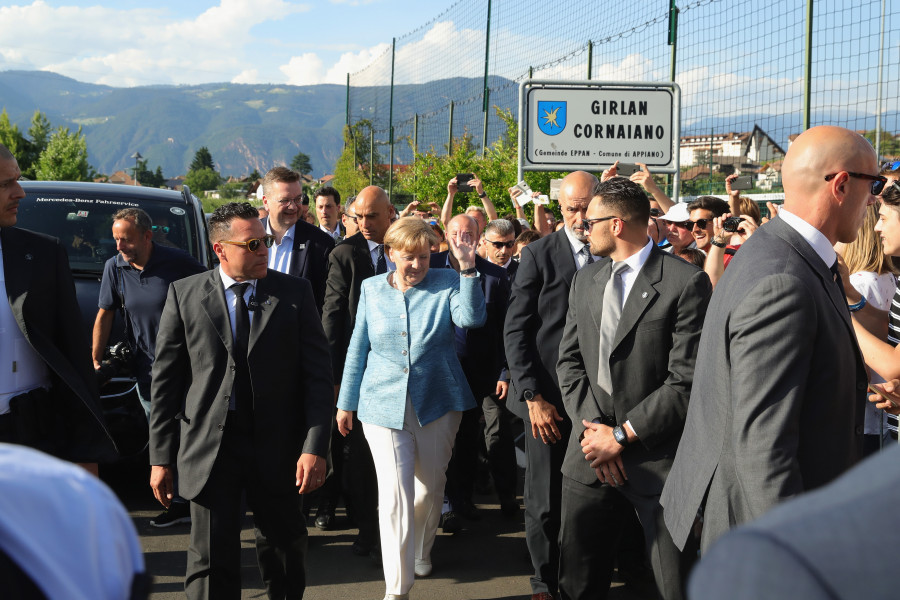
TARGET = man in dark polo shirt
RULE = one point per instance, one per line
(138, 278)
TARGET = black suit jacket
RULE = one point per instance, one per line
(511, 269)
(536, 318)
(348, 265)
(193, 377)
(41, 294)
(484, 362)
(651, 363)
(309, 257)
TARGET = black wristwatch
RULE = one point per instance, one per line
(718, 244)
(620, 435)
(468, 272)
(528, 395)
(482, 195)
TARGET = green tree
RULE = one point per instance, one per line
(65, 158)
(11, 137)
(352, 170)
(254, 176)
(201, 180)
(301, 164)
(147, 177)
(890, 145)
(202, 160)
(39, 133)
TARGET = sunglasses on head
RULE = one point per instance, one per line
(878, 181)
(253, 245)
(499, 245)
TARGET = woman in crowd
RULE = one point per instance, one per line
(404, 379)
(872, 274)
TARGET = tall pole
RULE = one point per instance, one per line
(880, 77)
(486, 90)
(391, 122)
(371, 155)
(415, 149)
(673, 41)
(450, 132)
(347, 118)
(711, 134)
(807, 68)
(590, 58)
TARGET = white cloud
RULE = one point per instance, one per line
(136, 46)
(247, 76)
(305, 69)
(309, 69)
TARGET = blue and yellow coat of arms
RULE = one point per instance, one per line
(551, 117)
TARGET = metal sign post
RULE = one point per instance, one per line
(589, 125)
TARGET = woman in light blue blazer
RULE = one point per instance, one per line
(404, 379)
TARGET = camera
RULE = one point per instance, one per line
(117, 360)
(731, 224)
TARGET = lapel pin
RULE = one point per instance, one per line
(644, 295)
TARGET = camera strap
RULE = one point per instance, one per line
(120, 289)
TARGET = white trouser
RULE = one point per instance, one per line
(411, 466)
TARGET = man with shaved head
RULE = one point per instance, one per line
(356, 258)
(777, 403)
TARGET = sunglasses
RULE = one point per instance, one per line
(878, 181)
(701, 223)
(891, 166)
(253, 245)
(499, 245)
(587, 224)
(160, 228)
(655, 213)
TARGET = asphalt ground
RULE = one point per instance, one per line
(487, 560)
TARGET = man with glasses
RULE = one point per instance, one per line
(348, 218)
(777, 408)
(499, 244)
(703, 210)
(626, 362)
(300, 249)
(679, 226)
(242, 402)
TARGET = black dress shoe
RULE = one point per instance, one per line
(468, 510)
(361, 547)
(450, 523)
(325, 518)
(509, 507)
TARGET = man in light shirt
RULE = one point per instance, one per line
(300, 249)
(328, 212)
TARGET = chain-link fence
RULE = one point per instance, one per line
(742, 66)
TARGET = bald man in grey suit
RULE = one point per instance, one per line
(777, 404)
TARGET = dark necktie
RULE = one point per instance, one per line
(586, 253)
(837, 278)
(243, 391)
(609, 323)
(381, 264)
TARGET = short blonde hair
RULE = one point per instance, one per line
(410, 233)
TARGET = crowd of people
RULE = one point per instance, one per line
(383, 358)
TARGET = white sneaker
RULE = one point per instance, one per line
(423, 568)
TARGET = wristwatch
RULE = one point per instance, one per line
(482, 195)
(528, 395)
(620, 435)
(717, 243)
(469, 272)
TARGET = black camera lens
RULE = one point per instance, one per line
(731, 224)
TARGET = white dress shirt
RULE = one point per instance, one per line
(635, 263)
(21, 368)
(819, 242)
(280, 254)
(373, 253)
(577, 245)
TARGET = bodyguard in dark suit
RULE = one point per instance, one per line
(777, 407)
(353, 260)
(305, 254)
(48, 392)
(480, 352)
(242, 399)
(534, 325)
(626, 362)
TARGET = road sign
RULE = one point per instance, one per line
(566, 125)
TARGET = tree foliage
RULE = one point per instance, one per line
(10, 136)
(202, 160)
(355, 165)
(201, 180)
(301, 164)
(65, 158)
(149, 178)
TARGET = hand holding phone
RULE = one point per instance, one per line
(884, 396)
(462, 182)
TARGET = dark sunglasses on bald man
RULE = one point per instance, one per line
(878, 181)
(253, 245)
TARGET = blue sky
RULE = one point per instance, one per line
(190, 42)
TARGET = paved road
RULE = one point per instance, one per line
(488, 560)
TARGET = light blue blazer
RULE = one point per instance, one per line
(404, 344)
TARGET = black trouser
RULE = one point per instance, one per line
(463, 466)
(501, 446)
(594, 519)
(214, 554)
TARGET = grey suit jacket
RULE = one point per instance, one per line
(839, 542)
(651, 363)
(41, 294)
(777, 404)
(535, 320)
(193, 377)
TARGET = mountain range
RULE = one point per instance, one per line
(256, 126)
